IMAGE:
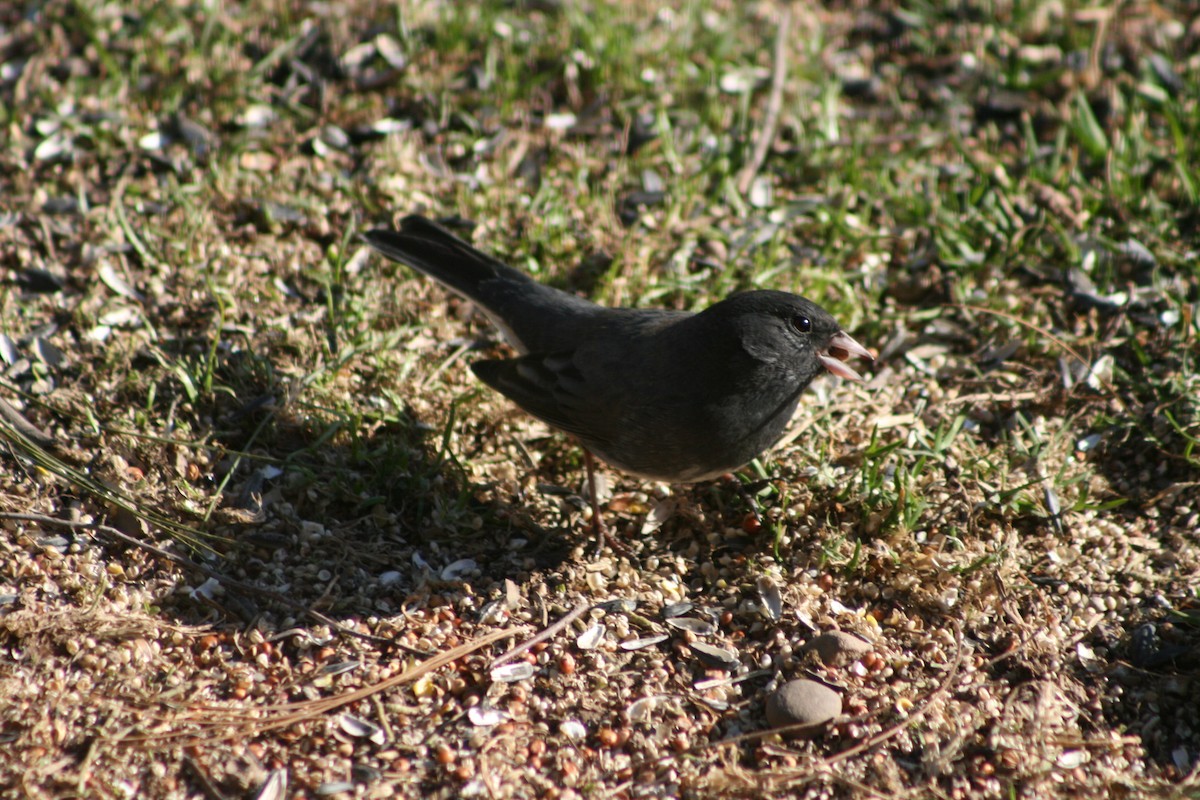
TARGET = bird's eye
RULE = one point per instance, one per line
(802, 323)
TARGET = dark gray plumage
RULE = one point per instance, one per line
(667, 395)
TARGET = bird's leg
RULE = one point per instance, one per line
(752, 521)
(599, 529)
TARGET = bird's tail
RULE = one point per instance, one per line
(429, 248)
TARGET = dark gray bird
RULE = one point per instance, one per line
(668, 395)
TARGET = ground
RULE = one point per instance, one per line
(264, 535)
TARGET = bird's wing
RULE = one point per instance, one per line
(552, 388)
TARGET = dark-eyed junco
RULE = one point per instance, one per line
(667, 395)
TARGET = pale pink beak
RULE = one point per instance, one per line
(842, 347)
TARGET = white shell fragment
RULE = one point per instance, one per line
(360, 728)
(659, 514)
(742, 80)
(494, 612)
(113, 280)
(574, 730)
(275, 787)
(560, 122)
(715, 657)
(256, 116)
(459, 569)
(641, 644)
(208, 590)
(486, 716)
(511, 673)
(591, 638)
(155, 140)
(640, 710)
(53, 147)
(769, 596)
(692, 625)
(8, 350)
(340, 667)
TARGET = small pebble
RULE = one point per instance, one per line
(803, 702)
(837, 648)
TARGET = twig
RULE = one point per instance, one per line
(381, 714)
(917, 713)
(260, 719)
(766, 136)
(547, 633)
